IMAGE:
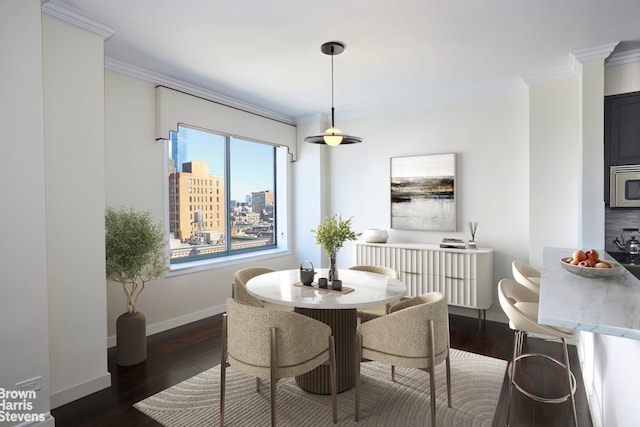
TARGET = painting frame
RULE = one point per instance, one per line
(423, 192)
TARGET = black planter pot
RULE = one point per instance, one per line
(131, 335)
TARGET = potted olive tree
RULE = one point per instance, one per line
(331, 235)
(135, 254)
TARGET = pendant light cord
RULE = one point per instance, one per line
(332, 108)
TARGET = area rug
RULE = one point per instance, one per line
(476, 382)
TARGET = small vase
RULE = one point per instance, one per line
(333, 271)
(373, 235)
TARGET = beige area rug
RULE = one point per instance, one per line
(476, 382)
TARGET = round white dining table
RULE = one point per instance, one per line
(337, 309)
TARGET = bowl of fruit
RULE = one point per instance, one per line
(588, 264)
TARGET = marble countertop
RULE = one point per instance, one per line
(609, 305)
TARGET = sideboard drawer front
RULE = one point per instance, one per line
(464, 276)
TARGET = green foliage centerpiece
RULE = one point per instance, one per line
(135, 253)
(331, 235)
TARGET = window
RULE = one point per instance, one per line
(244, 174)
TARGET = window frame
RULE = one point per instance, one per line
(281, 226)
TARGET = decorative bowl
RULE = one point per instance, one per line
(374, 235)
(592, 271)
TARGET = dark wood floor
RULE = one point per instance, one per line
(178, 354)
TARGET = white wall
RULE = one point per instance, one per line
(592, 135)
(74, 135)
(135, 171)
(24, 352)
(616, 377)
(622, 79)
(554, 166)
(567, 210)
(512, 153)
(490, 140)
(309, 172)
(613, 376)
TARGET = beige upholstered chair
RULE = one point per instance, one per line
(274, 344)
(368, 313)
(526, 275)
(520, 304)
(239, 289)
(415, 334)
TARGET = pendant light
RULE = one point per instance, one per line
(333, 136)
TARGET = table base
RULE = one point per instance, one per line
(343, 325)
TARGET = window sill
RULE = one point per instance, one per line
(197, 266)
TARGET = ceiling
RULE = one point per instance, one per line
(399, 55)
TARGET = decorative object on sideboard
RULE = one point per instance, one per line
(135, 253)
(333, 136)
(423, 192)
(473, 226)
(451, 243)
(331, 235)
(374, 235)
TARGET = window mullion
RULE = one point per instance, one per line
(227, 190)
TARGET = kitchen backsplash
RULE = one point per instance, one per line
(617, 219)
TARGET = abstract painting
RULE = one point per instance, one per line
(423, 192)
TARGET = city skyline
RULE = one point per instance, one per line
(249, 171)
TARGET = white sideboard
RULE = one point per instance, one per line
(465, 276)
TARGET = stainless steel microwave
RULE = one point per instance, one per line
(624, 191)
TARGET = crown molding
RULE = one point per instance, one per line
(595, 53)
(620, 58)
(191, 89)
(575, 60)
(75, 17)
(557, 73)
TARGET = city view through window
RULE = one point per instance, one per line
(221, 195)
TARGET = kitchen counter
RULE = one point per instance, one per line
(609, 305)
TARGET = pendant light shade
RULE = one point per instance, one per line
(333, 136)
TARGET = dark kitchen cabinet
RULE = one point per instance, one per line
(621, 133)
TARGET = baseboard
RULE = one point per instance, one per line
(47, 422)
(499, 317)
(81, 390)
(177, 321)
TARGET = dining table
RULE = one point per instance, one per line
(337, 308)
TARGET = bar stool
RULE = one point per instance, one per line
(520, 304)
(526, 275)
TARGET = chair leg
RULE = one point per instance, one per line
(517, 343)
(274, 361)
(448, 369)
(393, 373)
(569, 382)
(223, 367)
(358, 361)
(431, 345)
(332, 369)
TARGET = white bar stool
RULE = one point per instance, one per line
(526, 275)
(520, 304)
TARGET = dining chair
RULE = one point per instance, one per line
(526, 275)
(520, 304)
(274, 344)
(415, 334)
(239, 288)
(367, 313)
